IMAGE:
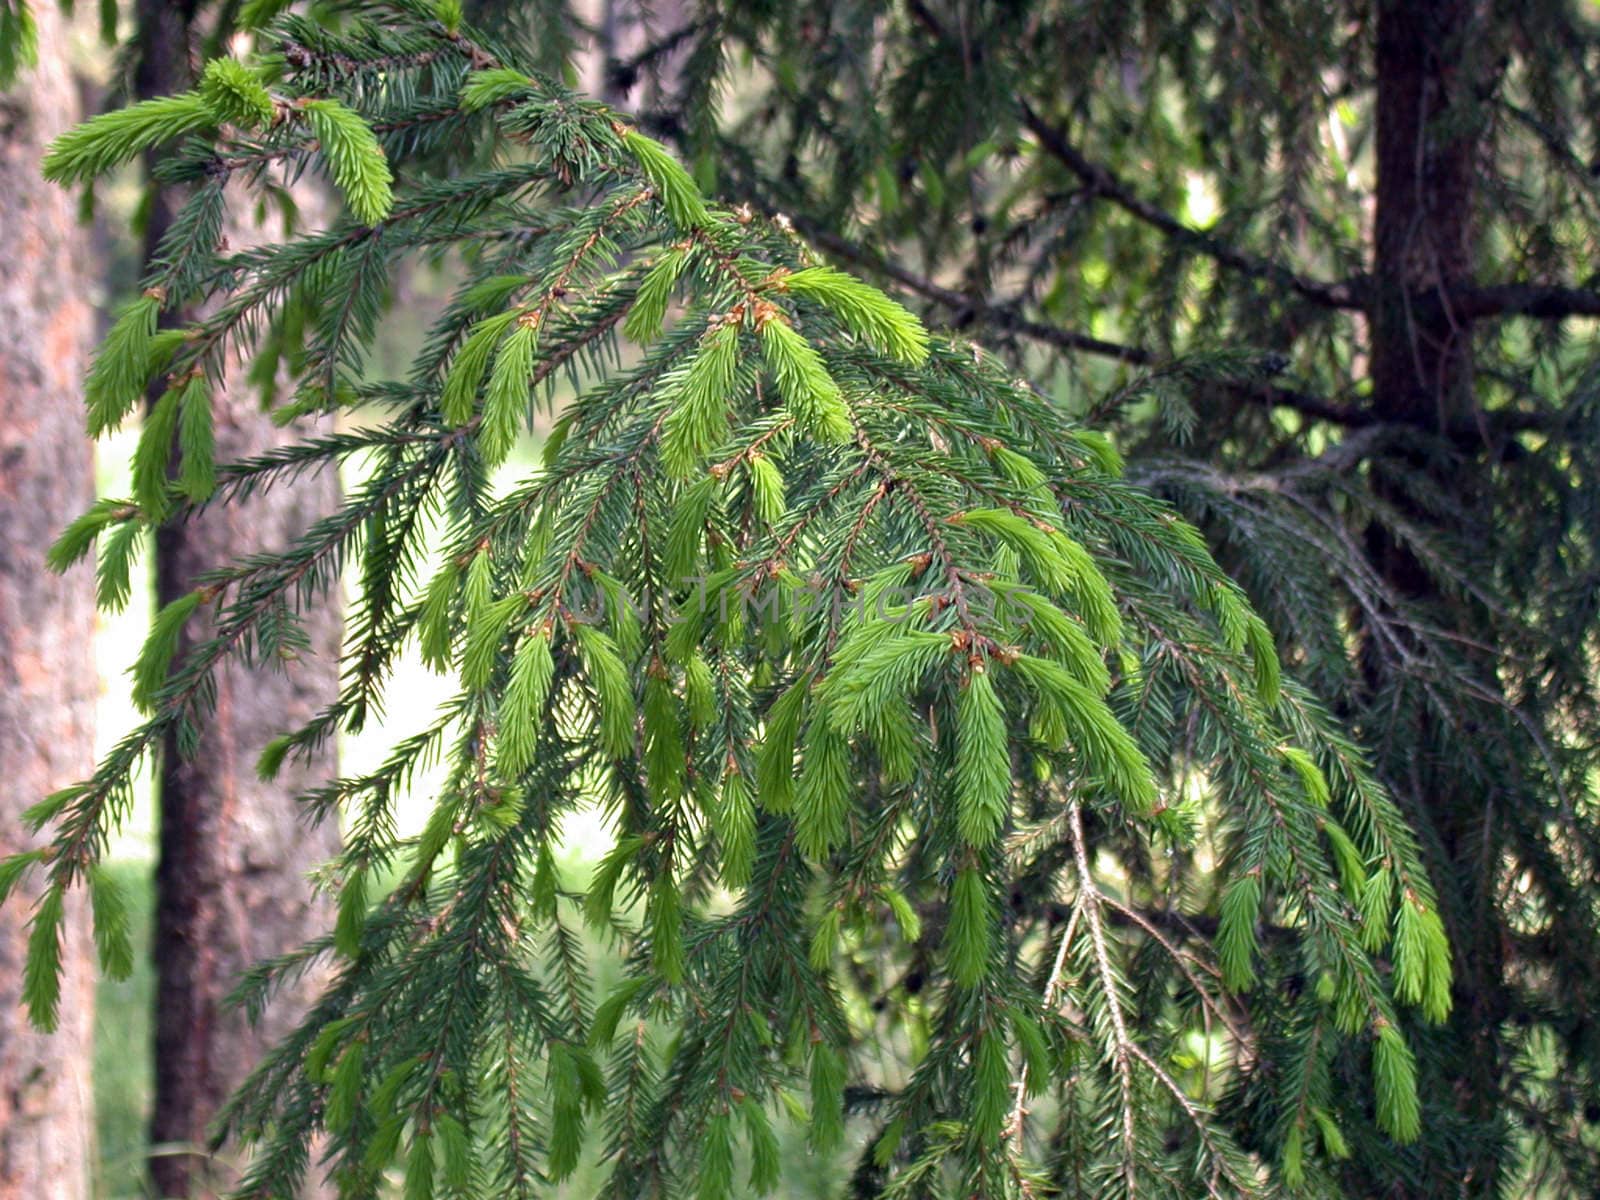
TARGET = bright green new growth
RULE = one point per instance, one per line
(766, 487)
(470, 365)
(123, 365)
(150, 671)
(113, 940)
(804, 382)
(1236, 933)
(196, 440)
(970, 936)
(983, 762)
(234, 93)
(121, 135)
(150, 483)
(484, 89)
(1395, 1071)
(505, 402)
(41, 977)
(865, 309)
(677, 190)
(532, 672)
(850, 639)
(229, 93)
(698, 419)
(643, 322)
(354, 158)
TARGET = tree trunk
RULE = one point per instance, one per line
(47, 673)
(1427, 146)
(1429, 137)
(231, 884)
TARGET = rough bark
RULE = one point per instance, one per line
(47, 679)
(1430, 85)
(231, 884)
(1427, 152)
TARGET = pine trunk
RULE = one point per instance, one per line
(1427, 157)
(1429, 139)
(47, 674)
(231, 884)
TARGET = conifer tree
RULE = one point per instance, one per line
(961, 811)
(1325, 273)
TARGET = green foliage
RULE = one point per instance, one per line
(150, 482)
(124, 364)
(983, 762)
(910, 719)
(506, 398)
(13, 868)
(235, 94)
(1236, 931)
(355, 160)
(469, 366)
(1395, 1081)
(522, 711)
(813, 398)
(677, 191)
(613, 693)
(484, 89)
(150, 671)
(698, 420)
(112, 937)
(1422, 959)
(19, 40)
(969, 939)
(41, 975)
(766, 488)
(79, 537)
(1181, 233)
(196, 440)
(864, 310)
(735, 824)
(121, 135)
(644, 319)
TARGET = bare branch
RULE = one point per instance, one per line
(1551, 303)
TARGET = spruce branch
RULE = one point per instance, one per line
(834, 619)
(1102, 181)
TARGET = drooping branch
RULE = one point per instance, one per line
(1102, 181)
(1007, 317)
(1466, 303)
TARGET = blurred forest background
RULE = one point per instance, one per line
(1325, 272)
